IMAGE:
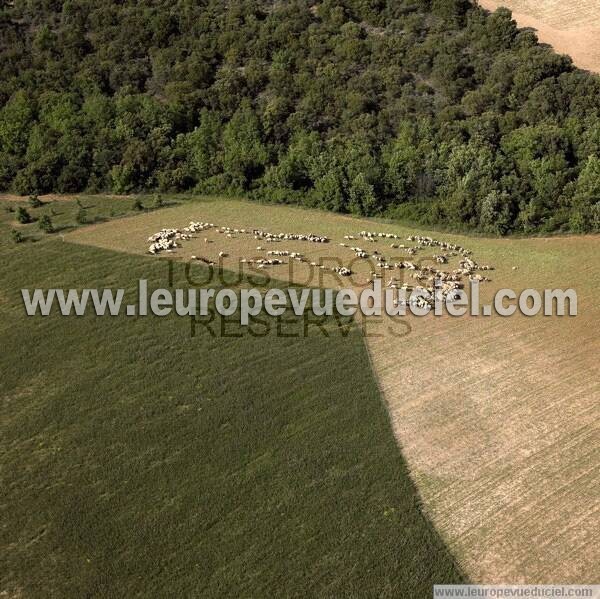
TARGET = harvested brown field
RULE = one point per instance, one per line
(498, 418)
(570, 26)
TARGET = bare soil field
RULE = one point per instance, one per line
(498, 418)
(570, 26)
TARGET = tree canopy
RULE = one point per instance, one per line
(432, 110)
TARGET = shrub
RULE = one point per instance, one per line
(45, 224)
(16, 236)
(158, 201)
(34, 201)
(81, 217)
(23, 216)
(137, 205)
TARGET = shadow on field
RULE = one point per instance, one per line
(140, 461)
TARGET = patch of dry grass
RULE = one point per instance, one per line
(130, 235)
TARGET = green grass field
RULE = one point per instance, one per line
(64, 211)
(137, 460)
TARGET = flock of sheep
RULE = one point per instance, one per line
(451, 280)
(166, 239)
(425, 276)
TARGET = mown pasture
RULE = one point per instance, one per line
(138, 460)
(496, 417)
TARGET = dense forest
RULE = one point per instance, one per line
(430, 110)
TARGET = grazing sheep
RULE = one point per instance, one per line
(205, 260)
(289, 236)
(370, 235)
(164, 240)
(168, 240)
(284, 253)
